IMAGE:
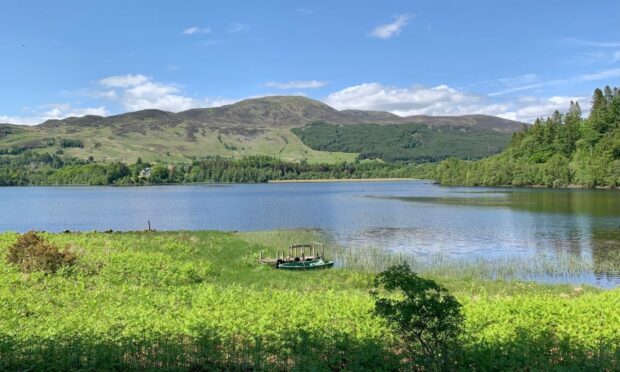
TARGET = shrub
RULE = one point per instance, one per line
(427, 317)
(33, 253)
(71, 142)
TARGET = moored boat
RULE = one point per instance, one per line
(297, 259)
(305, 265)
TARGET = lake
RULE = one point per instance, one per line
(409, 217)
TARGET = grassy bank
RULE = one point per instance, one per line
(199, 300)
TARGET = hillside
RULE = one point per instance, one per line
(419, 143)
(260, 126)
(564, 150)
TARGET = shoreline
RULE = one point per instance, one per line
(330, 180)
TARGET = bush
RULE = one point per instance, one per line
(71, 142)
(427, 317)
(32, 253)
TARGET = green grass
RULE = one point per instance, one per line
(177, 300)
(170, 144)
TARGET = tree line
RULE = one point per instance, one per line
(31, 168)
(562, 150)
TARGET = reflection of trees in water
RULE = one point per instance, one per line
(598, 203)
(561, 235)
(606, 253)
(595, 203)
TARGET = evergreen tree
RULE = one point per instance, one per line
(598, 114)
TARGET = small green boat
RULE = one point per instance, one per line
(305, 265)
(300, 257)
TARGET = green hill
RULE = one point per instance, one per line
(563, 150)
(417, 143)
(260, 126)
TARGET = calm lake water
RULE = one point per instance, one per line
(413, 217)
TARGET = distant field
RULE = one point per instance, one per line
(170, 144)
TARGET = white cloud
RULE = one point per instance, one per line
(518, 80)
(138, 92)
(601, 75)
(528, 109)
(442, 100)
(53, 111)
(401, 101)
(196, 30)
(123, 81)
(389, 30)
(295, 84)
(107, 94)
(236, 27)
(591, 43)
(213, 42)
(62, 110)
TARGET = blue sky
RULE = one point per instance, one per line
(515, 59)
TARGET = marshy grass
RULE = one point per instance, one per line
(558, 267)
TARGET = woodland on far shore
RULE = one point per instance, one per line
(565, 150)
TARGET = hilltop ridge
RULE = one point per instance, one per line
(257, 126)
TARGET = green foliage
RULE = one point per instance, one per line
(404, 142)
(563, 150)
(32, 253)
(44, 169)
(199, 300)
(427, 317)
(71, 142)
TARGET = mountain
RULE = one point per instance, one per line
(281, 112)
(253, 126)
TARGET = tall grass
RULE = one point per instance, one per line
(558, 267)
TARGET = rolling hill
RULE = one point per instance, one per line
(254, 126)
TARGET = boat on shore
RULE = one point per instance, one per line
(297, 259)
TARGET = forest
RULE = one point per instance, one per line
(417, 143)
(564, 150)
(31, 168)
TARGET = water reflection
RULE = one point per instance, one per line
(415, 218)
(582, 223)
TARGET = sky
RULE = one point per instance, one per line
(515, 59)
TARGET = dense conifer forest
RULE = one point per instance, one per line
(418, 143)
(563, 150)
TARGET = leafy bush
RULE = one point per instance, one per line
(32, 253)
(427, 317)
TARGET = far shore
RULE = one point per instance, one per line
(322, 180)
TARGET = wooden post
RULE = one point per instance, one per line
(149, 221)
